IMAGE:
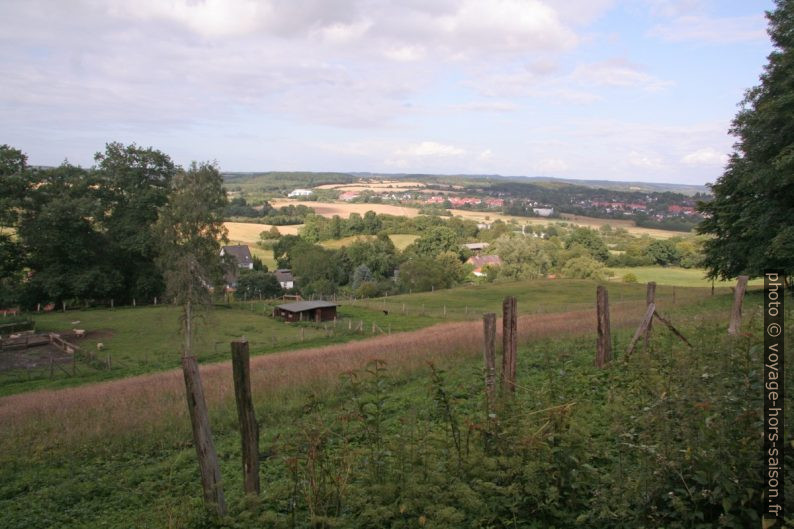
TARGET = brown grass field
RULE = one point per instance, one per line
(153, 405)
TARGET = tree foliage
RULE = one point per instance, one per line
(591, 240)
(751, 217)
(190, 231)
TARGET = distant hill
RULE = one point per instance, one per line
(549, 181)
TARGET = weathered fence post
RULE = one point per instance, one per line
(249, 430)
(650, 297)
(604, 340)
(489, 357)
(509, 340)
(736, 312)
(202, 437)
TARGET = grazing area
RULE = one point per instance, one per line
(145, 339)
(674, 275)
(402, 438)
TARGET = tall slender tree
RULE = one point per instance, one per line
(190, 229)
(751, 217)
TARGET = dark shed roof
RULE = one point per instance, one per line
(300, 306)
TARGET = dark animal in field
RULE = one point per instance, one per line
(386, 312)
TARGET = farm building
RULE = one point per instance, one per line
(284, 278)
(306, 311)
(300, 193)
(476, 247)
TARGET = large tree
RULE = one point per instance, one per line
(13, 185)
(135, 182)
(751, 219)
(67, 254)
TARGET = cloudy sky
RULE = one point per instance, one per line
(640, 90)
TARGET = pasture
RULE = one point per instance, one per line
(146, 339)
(397, 443)
(674, 275)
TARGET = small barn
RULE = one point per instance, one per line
(306, 311)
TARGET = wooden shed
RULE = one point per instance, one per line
(306, 311)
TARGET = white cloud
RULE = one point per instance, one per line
(706, 156)
(644, 160)
(430, 148)
(486, 106)
(711, 29)
(551, 165)
(618, 73)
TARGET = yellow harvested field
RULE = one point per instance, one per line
(249, 231)
(329, 209)
(590, 222)
(379, 185)
(344, 209)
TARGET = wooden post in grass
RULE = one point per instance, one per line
(650, 298)
(509, 340)
(202, 437)
(604, 340)
(249, 430)
(489, 356)
(736, 312)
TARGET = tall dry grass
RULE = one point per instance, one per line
(148, 409)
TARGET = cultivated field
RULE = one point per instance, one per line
(382, 186)
(249, 231)
(344, 209)
(400, 240)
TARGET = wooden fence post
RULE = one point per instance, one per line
(650, 298)
(202, 437)
(604, 340)
(489, 357)
(509, 340)
(736, 312)
(249, 430)
(641, 329)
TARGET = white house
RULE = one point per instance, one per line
(543, 212)
(300, 193)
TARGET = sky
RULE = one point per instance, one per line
(633, 90)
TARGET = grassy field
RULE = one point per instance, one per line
(673, 275)
(398, 445)
(145, 339)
